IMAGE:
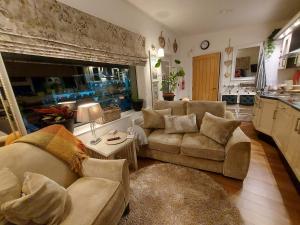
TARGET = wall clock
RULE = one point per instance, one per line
(204, 45)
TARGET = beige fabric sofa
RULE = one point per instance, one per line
(100, 196)
(196, 150)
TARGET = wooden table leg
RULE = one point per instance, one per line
(134, 155)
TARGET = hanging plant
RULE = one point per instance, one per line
(269, 45)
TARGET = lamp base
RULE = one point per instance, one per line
(94, 142)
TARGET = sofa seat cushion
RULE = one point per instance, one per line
(94, 201)
(159, 140)
(200, 146)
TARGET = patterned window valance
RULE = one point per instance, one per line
(52, 29)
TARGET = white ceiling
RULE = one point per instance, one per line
(187, 17)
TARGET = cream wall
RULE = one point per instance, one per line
(121, 13)
(243, 36)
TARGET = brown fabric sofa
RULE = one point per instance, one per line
(196, 150)
(99, 196)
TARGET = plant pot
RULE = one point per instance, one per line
(68, 124)
(137, 104)
(168, 96)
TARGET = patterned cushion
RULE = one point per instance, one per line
(181, 124)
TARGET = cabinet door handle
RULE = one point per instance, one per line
(297, 125)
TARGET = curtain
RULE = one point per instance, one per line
(52, 29)
(260, 80)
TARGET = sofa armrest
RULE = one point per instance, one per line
(140, 122)
(116, 170)
(237, 155)
(2, 140)
(229, 115)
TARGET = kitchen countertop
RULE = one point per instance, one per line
(282, 98)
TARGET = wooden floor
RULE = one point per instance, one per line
(267, 195)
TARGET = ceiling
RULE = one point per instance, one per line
(188, 17)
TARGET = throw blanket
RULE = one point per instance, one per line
(60, 142)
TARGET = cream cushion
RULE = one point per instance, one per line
(178, 107)
(43, 202)
(200, 107)
(155, 118)
(217, 128)
(34, 159)
(93, 201)
(181, 124)
(159, 140)
(200, 146)
(10, 187)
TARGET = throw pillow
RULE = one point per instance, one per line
(43, 202)
(181, 124)
(217, 128)
(155, 118)
(10, 187)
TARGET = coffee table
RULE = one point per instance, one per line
(126, 149)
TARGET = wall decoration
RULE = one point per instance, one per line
(228, 62)
(52, 29)
(175, 46)
(161, 40)
(204, 45)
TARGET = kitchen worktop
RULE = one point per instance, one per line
(283, 98)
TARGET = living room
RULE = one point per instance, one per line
(149, 112)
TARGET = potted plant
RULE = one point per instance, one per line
(57, 115)
(170, 81)
(137, 104)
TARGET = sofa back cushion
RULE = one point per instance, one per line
(154, 119)
(178, 107)
(217, 128)
(22, 157)
(201, 107)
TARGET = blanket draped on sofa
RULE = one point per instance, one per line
(58, 141)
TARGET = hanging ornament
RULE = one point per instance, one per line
(175, 46)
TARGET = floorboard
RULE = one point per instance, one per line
(267, 196)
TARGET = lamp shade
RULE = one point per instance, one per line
(89, 112)
(69, 104)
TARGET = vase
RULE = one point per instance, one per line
(137, 104)
(168, 96)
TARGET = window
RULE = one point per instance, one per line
(40, 82)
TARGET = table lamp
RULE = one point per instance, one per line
(89, 113)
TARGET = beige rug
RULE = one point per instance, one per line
(166, 194)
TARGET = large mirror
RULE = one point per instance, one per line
(246, 62)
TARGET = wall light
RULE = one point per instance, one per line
(160, 52)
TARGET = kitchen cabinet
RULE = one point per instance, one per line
(292, 153)
(266, 113)
(256, 111)
(282, 125)
(282, 122)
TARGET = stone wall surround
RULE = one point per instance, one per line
(53, 29)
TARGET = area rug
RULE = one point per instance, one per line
(166, 194)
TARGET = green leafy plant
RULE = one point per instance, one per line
(169, 82)
(269, 45)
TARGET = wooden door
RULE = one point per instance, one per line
(206, 72)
